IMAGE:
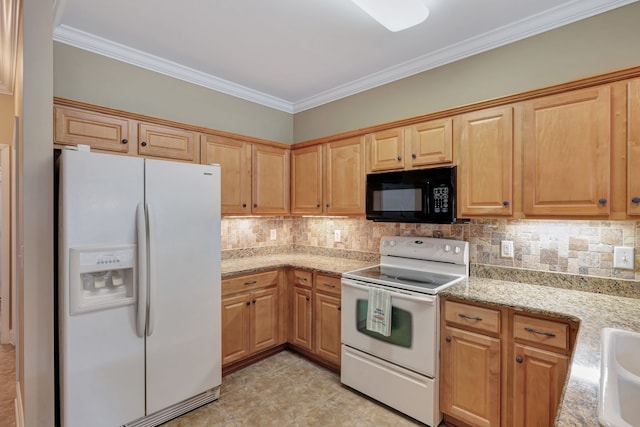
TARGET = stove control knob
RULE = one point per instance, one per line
(457, 250)
(385, 243)
(447, 248)
(392, 242)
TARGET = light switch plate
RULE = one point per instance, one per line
(623, 257)
(506, 249)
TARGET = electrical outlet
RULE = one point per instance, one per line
(623, 257)
(273, 235)
(336, 236)
(506, 249)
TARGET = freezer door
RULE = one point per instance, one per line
(101, 363)
(183, 343)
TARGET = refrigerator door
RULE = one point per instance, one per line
(101, 357)
(183, 332)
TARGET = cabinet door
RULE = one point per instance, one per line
(264, 325)
(234, 158)
(236, 317)
(327, 315)
(485, 170)
(633, 148)
(386, 150)
(567, 153)
(306, 180)
(470, 377)
(539, 377)
(270, 180)
(430, 143)
(167, 142)
(344, 175)
(301, 327)
(100, 131)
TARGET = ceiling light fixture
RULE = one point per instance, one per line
(395, 15)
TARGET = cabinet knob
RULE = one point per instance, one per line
(255, 205)
(413, 155)
(143, 143)
(328, 205)
(635, 200)
(339, 308)
(318, 205)
(307, 298)
(505, 203)
(124, 141)
(602, 201)
(399, 158)
(448, 339)
(244, 205)
(248, 302)
(254, 301)
(519, 359)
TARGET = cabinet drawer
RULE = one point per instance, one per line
(471, 316)
(302, 278)
(328, 284)
(249, 282)
(541, 331)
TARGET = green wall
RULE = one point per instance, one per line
(96, 79)
(603, 43)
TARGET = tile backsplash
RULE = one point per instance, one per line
(577, 247)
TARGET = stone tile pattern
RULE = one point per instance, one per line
(580, 247)
(7, 385)
(287, 390)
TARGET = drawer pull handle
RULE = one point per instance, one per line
(549, 334)
(466, 316)
(303, 279)
(253, 282)
(329, 285)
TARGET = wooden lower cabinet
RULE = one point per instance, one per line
(499, 367)
(327, 312)
(250, 318)
(301, 326)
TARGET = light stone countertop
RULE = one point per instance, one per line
(593, 311)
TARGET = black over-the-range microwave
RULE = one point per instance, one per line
(421, 195)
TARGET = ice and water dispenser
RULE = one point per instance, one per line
(101, 277)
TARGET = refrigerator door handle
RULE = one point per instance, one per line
(152, 270)
(141, 309)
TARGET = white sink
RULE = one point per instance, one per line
(619, 398)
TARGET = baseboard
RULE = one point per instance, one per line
(18, 406)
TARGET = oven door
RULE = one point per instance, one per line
(414, 327)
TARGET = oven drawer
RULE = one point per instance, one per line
(472, 316)
(541, 331)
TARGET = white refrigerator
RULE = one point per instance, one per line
(138, 290)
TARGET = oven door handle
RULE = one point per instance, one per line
(426, 299)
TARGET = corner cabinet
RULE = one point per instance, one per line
(485, 162)
(254, 177)
(567, 154)
(633, 148)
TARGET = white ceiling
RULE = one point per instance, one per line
(293, 55)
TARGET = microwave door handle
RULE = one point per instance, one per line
(427, 199)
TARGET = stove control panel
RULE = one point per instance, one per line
(426, 248)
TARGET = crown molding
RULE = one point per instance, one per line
(9, 25)
(561, 15)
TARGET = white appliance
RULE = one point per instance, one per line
(401, 369)
(139, 289)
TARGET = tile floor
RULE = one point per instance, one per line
(7, 385)
(288, 390)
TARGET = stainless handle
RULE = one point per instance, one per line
(152, 270)
(549, 334)
(466, 316)
(141, 307)
(252, 282)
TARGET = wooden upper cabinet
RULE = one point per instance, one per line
(633, 148)
(567, 153)
(485, 162)
(386, 150)
(167, 142)
(102, 132)
(306, 180)
(234, 158)
(429, 143)
(270, 180)
(344, 185)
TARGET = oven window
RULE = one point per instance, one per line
(401, 199)
(401, 325)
